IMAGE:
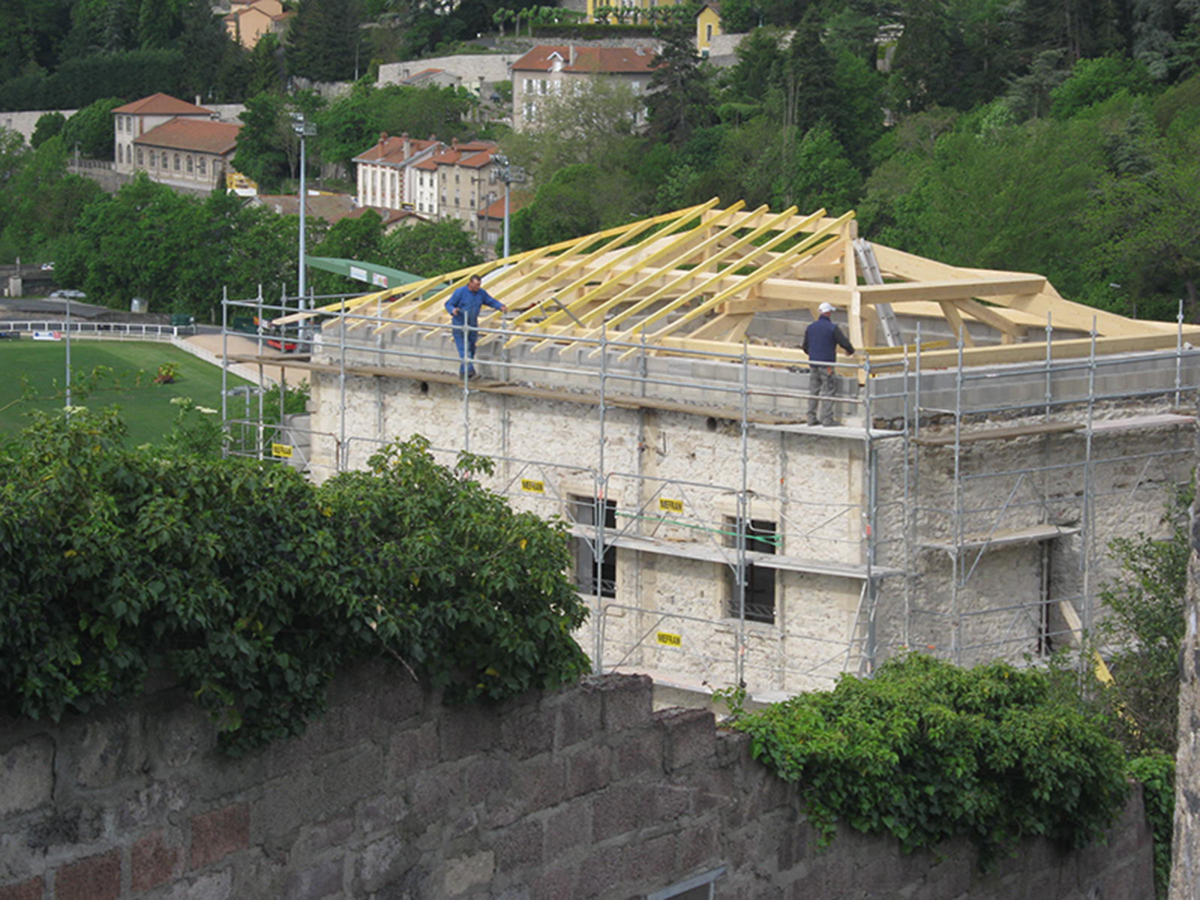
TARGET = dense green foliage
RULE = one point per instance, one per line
(1157, 776)
(253, 586)
(925, 751)
(1143, 630)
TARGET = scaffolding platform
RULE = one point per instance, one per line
(1033, 534)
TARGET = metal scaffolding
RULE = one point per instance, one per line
(909, 540)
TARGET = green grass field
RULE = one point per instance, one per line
(145, 406)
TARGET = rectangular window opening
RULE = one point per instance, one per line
(582, 511)
(760, 536)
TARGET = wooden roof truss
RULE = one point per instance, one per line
(694, 279)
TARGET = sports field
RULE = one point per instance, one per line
(126, 379)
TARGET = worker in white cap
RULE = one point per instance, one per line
(821, 340)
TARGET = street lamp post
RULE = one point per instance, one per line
(304, 129)
(506, 172)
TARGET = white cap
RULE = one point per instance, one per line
(825, 308)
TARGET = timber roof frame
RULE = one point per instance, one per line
(693, 280)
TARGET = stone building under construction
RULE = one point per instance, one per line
(647, 386)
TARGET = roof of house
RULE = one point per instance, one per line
(390, 150)
(421, 76)
(390, 216)
(328, 206)
(516, 201)
(197, 135)
(162, 105)
(472, 155)
(588, 60)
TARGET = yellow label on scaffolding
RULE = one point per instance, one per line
(671, 640)
(667, 505)
(533, 487)
(282, 451)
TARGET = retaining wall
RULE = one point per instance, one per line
(582, 793)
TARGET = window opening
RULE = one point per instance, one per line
(582, 511)
(760, 537)
(698, 887)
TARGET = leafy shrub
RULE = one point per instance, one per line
(1157, 775)
(925, 751)
(254, 586)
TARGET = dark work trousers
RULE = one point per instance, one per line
(822, 387)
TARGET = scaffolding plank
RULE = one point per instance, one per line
(1032, 534)
(1135, 423)
(1004, 433)
(727, 556)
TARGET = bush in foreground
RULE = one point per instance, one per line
(254, 586)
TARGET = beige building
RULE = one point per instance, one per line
(385, 173)
(708, 26)
(546, 71)
(249, 20)
(133, 120)
(652, 392)
(187, 153)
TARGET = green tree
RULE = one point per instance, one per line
(356, 238)
(263, 142)
(429, 248)
(1144, 627)
(577, 200)
(254, 586)
(679, 99)
(48, 125)
(92, 129)
(324, 40)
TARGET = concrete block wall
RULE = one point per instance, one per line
(1185, 848)
(580, 793)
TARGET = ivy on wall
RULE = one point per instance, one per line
(926, 751)
(254, 586)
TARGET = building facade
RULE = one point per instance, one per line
(187, 153)
(249, 20)
(385, 173)
(133, 120)
(653, 394)
(549, 70)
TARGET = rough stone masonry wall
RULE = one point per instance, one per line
(1185, 850)
(582, 793)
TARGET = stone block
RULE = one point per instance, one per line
(568, 828)
(627, 700)
(218, 833)
(464, 731)
(589, 769)
(411, 751)
(528, 731)
(699, 847)
(580, 716)
(541, 782)
(26, 890)
(110, 748)
(691, 736)
(556, 883)
(622, 808)
(639, 752)
(519, 845)
(434, 793)
(494, 779)
(346, 777)
(209, 886)
(314, 839)
(94, 878)
(180, 734)
(467, 874)
(322, 880)
(27, 773)
(152, 861)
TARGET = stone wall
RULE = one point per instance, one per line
(1185, 851)
(582, 793)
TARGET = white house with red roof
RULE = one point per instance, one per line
(135, 119)
(384, 173)
(547, 70)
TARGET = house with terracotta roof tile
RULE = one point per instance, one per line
(463, 182)
(384, 172)
(249, 20)
(187, 153)
(135, 119)
(549, 70)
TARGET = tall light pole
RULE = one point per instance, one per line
(304, 129)
(506, 172)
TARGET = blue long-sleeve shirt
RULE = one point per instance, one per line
(821, 340)
(464, 305)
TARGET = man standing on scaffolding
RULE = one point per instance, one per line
(464, 305)
(821, 340)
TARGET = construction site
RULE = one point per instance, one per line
(647, 387)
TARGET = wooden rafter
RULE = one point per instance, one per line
(697, 278)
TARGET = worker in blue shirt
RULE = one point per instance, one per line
(821, 340)
(464, 305)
